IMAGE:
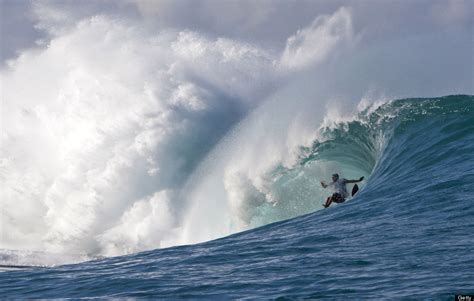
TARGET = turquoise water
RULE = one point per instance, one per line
(407, 234)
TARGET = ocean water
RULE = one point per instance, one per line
(407, 234)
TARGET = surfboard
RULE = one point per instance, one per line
(355, 189)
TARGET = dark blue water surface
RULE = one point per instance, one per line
(407, 234)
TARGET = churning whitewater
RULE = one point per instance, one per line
(100, 154)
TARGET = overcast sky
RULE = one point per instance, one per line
(266, 22)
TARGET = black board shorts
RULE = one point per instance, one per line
(337, 197)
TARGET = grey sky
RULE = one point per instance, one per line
(16, 28)
(264, 22)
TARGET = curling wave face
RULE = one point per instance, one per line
(272, 188)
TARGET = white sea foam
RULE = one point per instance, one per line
(96, 149)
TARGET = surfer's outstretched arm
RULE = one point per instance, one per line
(355, 181)
(323, 184)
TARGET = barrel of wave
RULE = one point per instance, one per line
(237, 199)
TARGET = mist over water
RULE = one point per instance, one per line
(118, 136)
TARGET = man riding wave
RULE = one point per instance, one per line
(339, 187)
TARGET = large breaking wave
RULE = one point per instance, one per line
(411, 223)
(149, 140)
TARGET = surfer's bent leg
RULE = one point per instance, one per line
(328, 202)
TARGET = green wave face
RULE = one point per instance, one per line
(391, 143)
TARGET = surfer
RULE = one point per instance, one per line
(340, 192)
